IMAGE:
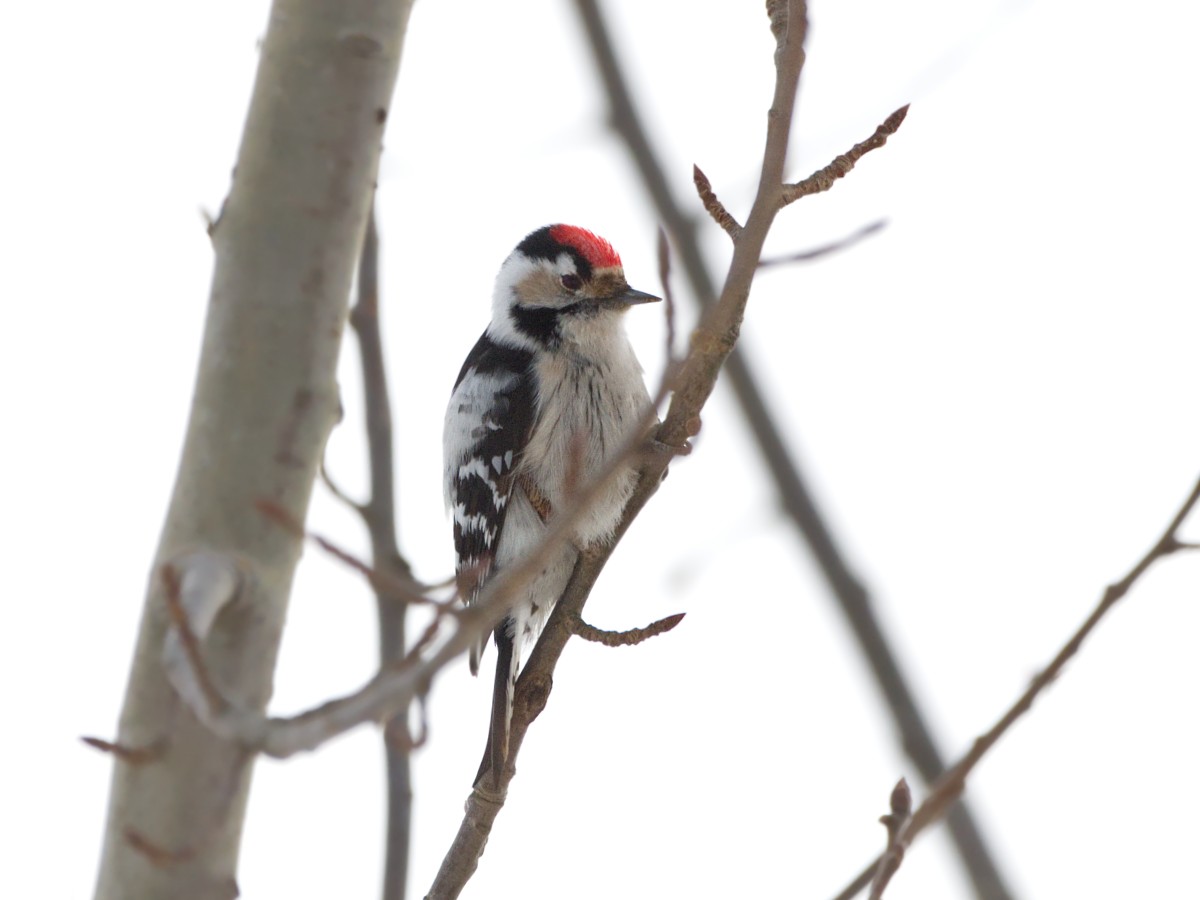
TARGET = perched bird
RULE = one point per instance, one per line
(549, 394)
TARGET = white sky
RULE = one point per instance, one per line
(995, 400)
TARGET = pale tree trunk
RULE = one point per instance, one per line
(265, 399)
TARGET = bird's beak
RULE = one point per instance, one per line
(632, 296)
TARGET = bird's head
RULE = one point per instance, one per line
(561, 284)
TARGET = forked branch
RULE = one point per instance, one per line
(711, 344)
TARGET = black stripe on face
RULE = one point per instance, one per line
(538, 322)
(543, 323)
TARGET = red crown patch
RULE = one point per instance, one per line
(593, 248)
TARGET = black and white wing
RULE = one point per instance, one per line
(488, 423)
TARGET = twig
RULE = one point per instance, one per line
(134, 756)
(823, 179)
(953, 782)
(624, 638)
(334, 488)
(797, 500)
(396, 584)
(713, 206)
(826, 249)
(895, 822)
(215, 593)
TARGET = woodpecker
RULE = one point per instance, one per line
(549, 394)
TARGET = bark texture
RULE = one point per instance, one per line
(265, 399)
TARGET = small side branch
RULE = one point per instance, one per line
(197, 587)
(823, 179)
(133, 756)
(624, 638)
(895, 822)
(950, 786)
(715, 207)
(397, 583)
(392, 592)
(824, 250)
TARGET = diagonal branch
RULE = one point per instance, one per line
(396, 685)
(800, 505)
(951, 785)
(712, 342)
(814, 253)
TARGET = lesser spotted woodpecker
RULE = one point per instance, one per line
(551, 391)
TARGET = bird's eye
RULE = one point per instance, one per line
(572, 282)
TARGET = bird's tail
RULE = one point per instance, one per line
(508, 664)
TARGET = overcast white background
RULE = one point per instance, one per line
(995, 400)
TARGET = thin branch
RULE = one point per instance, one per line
(134, 756)
(334, 488)
(829, 249)
(823, 179)
(397, 584)
(713, 206)
(951, 785)
(895, 822)
(624, 638)
(391, 596)
(797, 500)
(196, 588)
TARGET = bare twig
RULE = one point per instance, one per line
(829, 249)
(713, 206)
(134, 756)
(895, 822)
(798, 501)
(334, 488)
(823, 179)
(398, 583)
(951, 785)
(172, 579)
(624, 638)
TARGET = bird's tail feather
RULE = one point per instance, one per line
(507, 666)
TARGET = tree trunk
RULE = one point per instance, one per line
(286, 245)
